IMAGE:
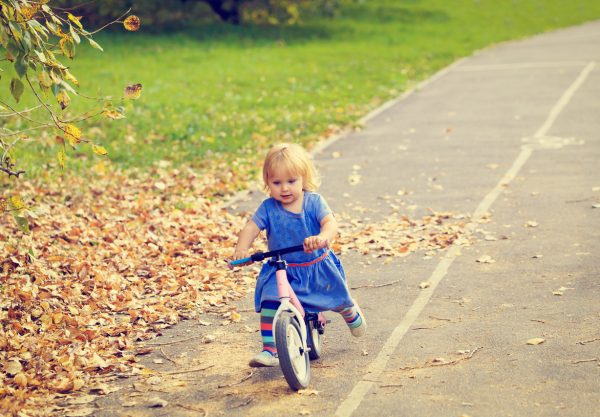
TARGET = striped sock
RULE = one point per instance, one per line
(267, 314)
(351, 316)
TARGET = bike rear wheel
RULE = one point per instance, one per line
(313, 339)
(292, 352)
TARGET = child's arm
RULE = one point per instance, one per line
(329, 231)
(245, 239)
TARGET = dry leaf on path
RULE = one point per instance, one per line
(157, 402)
(536, 341)
(486, 259)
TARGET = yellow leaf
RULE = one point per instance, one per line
(78, 383)
(21, 380)
(63, 99)
(73, 133)
(67, 46)
(70, 77)
(113, 114)
(99, 150)
(132, 23)
(45, 79)
(133, 92)
(536, 341)
(62, 158)
(75, 19)
(29, 11)
(16, 203)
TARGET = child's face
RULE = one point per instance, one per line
(285, 187)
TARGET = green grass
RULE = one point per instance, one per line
(212, 89)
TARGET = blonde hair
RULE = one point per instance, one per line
(296, 161)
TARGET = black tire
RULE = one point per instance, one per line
(313, 340)
(293, 355)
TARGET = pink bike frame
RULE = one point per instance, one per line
(285, 290)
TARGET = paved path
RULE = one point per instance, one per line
(509, 137)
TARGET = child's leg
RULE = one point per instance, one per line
(267, 314)
(354, 319)
(268, 355)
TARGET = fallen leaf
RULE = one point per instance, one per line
(21, 379)
(486, 259)
(531, 223)
(354, 179)
(235, 317)
(561, 291)
(424, 285)
(13, 367)
(157, 402)
(536, 341)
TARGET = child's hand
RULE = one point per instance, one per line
(239, 255)
(312, 243)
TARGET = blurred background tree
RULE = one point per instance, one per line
(177, 13)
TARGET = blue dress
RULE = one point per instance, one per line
(320, 286)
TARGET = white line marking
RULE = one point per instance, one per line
(375, 368)
(564, 100)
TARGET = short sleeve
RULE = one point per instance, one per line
(321, 208)
(261, 217)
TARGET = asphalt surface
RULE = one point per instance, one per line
(509, 138)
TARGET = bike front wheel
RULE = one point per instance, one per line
(292, 352)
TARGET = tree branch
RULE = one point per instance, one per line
(11, 173)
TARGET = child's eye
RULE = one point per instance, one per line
(276, 182)
(292, 181)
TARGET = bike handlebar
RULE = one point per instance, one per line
(259, 256)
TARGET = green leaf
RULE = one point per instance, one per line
(16, 88)
(41, 56)
(21, 66)
(74, 35)
(95, 44)
(22, 223)
(15, 31)
(13, 49)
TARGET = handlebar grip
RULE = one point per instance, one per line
(240, 261)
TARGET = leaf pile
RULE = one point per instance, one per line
(398, 235)
(108, 263)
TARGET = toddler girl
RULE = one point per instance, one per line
(294, 214)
